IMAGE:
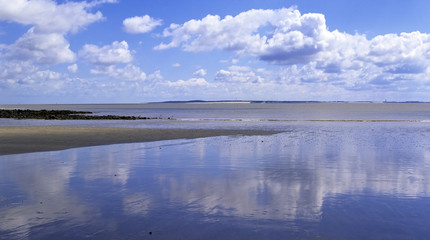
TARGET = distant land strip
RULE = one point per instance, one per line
(62, 115)
(366, 120)
(295, 120)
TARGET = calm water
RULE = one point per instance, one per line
(316, 180)
(233, 115)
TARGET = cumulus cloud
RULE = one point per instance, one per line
(292, 38)
(14, 73)
(26, 62)
(193, 82)
(306, 51)
(115, 53)
(107, 57)
(73, 68)
(42, 48)
(155, 76)
(128, 73)
(238, 74)
(304, 57)
(286, 37)
(404, 53)
(200, 73)
(44, 42)
(48, 16)
(142, 24)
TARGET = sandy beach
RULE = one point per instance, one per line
(15, 140)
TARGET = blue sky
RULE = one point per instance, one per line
(114, 51)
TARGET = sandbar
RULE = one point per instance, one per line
(15, 140)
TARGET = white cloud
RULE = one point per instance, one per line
(48, 16)
(238, 74)
(128, 73)
(155, 76)
(45, 42)
(238, 68)
(15, 72)
(307, 51)
(26, 61)
(41, 48)
(404, 53)
(73, 68)
(142, 24)
(27, 77)
(106, 59)
(286, 37)
(98, 2)
(306, 60)
(292, 37)
(200, 73)
(107, 55)
(193, 82)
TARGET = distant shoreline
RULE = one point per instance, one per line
(274, 101)
(15, 106)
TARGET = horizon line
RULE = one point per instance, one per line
(222, 101)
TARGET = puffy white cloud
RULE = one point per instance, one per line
(286, 37)
(308, 54)
(193, 82)
(106, 59)
(404, 53)
(14, 72)
(26, 62)
(48, 16)
(45, 42)
(115, 53)
(294, 42)
(73, 68)
(200, 73)
(282, 36)
(41, 48)
(142, 24)
(98, 2)
(238, 74)
(155, 76)
(26, 76)
(343, 52)
(128, 73)
(306, 60)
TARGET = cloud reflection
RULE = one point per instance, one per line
(37, 192)
(287, 176)
(284, 177)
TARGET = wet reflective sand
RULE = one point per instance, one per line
(314, 181)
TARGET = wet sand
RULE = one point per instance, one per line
(14, 140)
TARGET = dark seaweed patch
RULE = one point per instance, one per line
(62, 115)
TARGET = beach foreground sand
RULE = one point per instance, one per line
(15, 140)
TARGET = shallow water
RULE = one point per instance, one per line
(276, 116)
(318, 180)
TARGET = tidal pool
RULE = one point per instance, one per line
(313, 181)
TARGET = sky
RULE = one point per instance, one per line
(133, 51)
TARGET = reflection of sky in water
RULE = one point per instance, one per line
(351, 180)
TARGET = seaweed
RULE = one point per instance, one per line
(62, 115)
